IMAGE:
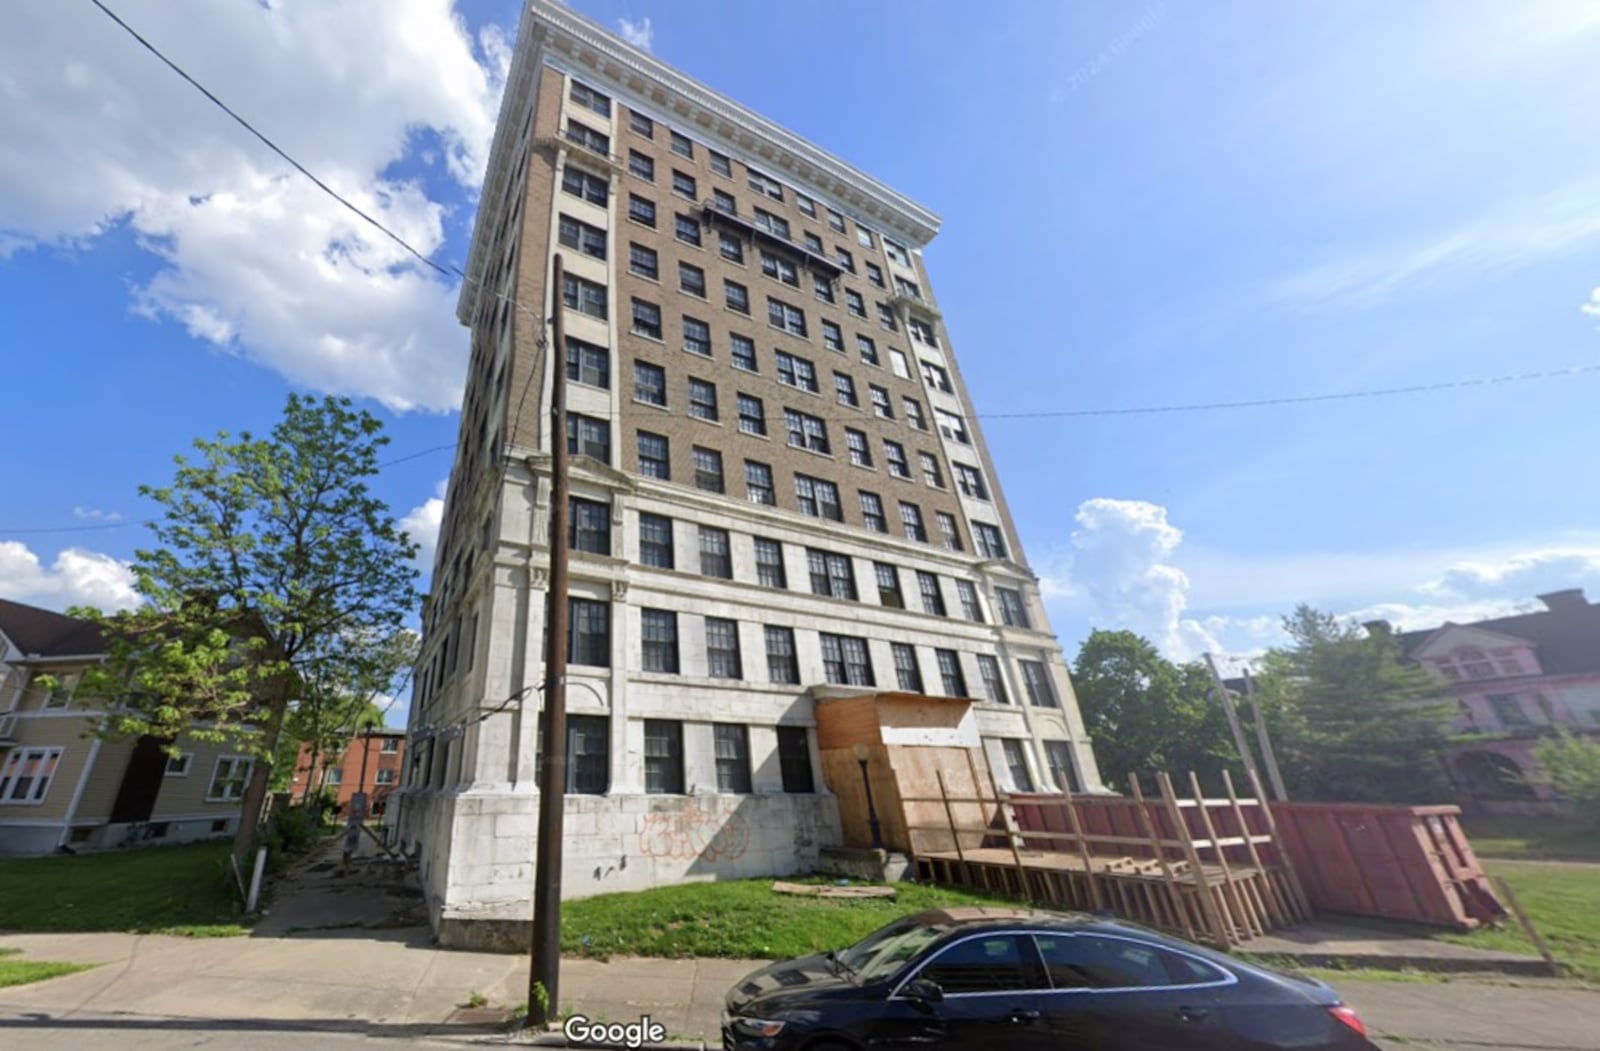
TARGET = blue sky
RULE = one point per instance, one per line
(1144, 205)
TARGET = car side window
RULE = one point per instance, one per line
(990, 964)
(1086, 961)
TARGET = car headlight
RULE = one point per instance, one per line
(757, 1027)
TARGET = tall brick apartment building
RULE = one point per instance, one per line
(779, 494)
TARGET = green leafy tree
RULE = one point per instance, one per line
(1146, 714)
(1571, 766)
(269, 550)
(1352, 720)
(339, 693)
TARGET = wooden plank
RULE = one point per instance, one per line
(1297, 891)
(1150, 827)
(1208, 901)
(1246, 909)
(819, 890)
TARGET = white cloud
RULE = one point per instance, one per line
(94, 514)
(1592, 307)
(96, 134)
(640, 34)
(76, 578)
(422, 524)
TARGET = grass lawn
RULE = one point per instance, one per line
(737, 918)
(21, 972)
(1532, 839)
(155, 890)
(1562, 900)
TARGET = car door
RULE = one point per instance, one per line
(993, 990)
(1112, 993)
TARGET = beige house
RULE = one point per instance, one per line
(62, 787)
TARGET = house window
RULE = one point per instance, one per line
(720, 163)
(714, 558)
(649, 383)
(868, 349)
(1041, 694)
(769, 563)
(178, 765)
(586, 297)
(897, 252)
(787, 317)
(875, 274)
(588, 754)
(691, 280)
(888, 585)
(589, 633)
(1507, 662)
(899, 365)
(845, 660)
(707, 469)
(831, 574)
(909, 289)
(663, 757)
(806, 431)
(847, 261)
(911, 518)
(682, 145)
(644, 262)
(932, 596)
(765, 184)
(1059, 755)
(779, 269)
(845, 389)
(772, 224)
(685, 229)
(646, 319)
(658, 641)
(794, 759)
(655, 541)
(854, 303)
(723, 201)
(581, 184)
(880, 401)
(1508, 709)
(588, 436)
(951, 536)
(736, 297)
(936, 377)
(641, 166)
(872, 512)
(732, 743)
(758, 483)
(814, 244)
(781, 664)
(590, 526)
(968, 595)
(333, 776)
(952, 426)
(26, 776)
(922, 332)
(832, 338)
(702, 399)
(1474, 662)
(817, 498)
(743, 351)
(696, 336)
(385, 777)
(990, 543)
(654, 458)
(906, 672)
(835, 220)
(752, 414)
(863, 237)
(796, 371)
(580, 236)
(860, 451)
(994, 685)
(228, 779)
(642, 210)
(895, 454)
(886, 317)
(588, 364)
(391, 745)
(730, 248)
(930, 470)
(639, 124)
(587, 97)
(806, 205)
(1013, 611)
(683, 184)
(970, 481)
(722, 649)
(822, 288)
(1017, 763)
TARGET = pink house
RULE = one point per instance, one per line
(1514, 680)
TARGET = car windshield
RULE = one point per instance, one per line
(882, 953)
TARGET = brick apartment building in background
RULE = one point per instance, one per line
(779, 494)
(342, 771)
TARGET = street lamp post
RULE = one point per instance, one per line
(862, 752)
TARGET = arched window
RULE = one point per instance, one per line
(1490, 775)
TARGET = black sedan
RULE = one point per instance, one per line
(1025, 981)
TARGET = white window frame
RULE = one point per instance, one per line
(61, 696)
(185, 764)
(48, 757)
(380, 779)
(244, 783)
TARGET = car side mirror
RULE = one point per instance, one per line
(923, 990)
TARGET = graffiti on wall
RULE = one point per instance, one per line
(692, 833)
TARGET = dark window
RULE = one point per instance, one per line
(914, 414)
(780, 269)
(641, 125)
(732, 743)
(854, 303)
(655, 460)
(932, 597)
(642, 166)
(911, 518)
(1508, 709)
(895, 454)
(773, 224)
(720, 163)
(832, 338)
(886, 317)
(822, 287)
(835, 220)
(1059, 755)
(588, 364)
(875, 274)
(642, 210)
(588, 436)
(1017, 763)
(846, 260)
(587, 97)
(985, 964)
(683, 184)
(663, 757)
(906, 672)
(880, 401)
(1041, 694)
(586, 297)
(765, 184)
(897, 252)
(589, 528)
(685, 229)
(922, 332)
(589, 240)
(936, 377)
(743, 352)
(888, 585)
(589, 632)
(644, 261)
(781, 664)
(708, 469)
(658, 640)
(752, 414)
(990, 543)
(702, 399)
(796, 372)
(994, 685)
(831, 574)
(868, 349)
(931, 474)
(649, 383)
(845, 660)
(806, 431)
(949, 534)
(1013, 611)
(860, 451)
(723, 660)
(581, 184)
(817, 498)
(736, 296)
(691, 280)
(955, 681)
(646, 319)
(730, 247)
(806, 205)
(970, 481)
(723, 201)
(872, 512)
(969, 601)
(909, 289)
(588, 754)
(786, 316)
(696, 336)
(794, 759)
(655, 541)
(769, 563)
(758, 483)
(1089, 961)
(845, 389)
(952, 426)
(814, 243)
(714, 558)
(682, 145)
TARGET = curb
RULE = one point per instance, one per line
(1531, 966)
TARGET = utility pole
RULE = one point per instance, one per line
(545, 971)
(1233, 718)
(1262, 738)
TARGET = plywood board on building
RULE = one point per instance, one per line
(825, 890)
(843, 722)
